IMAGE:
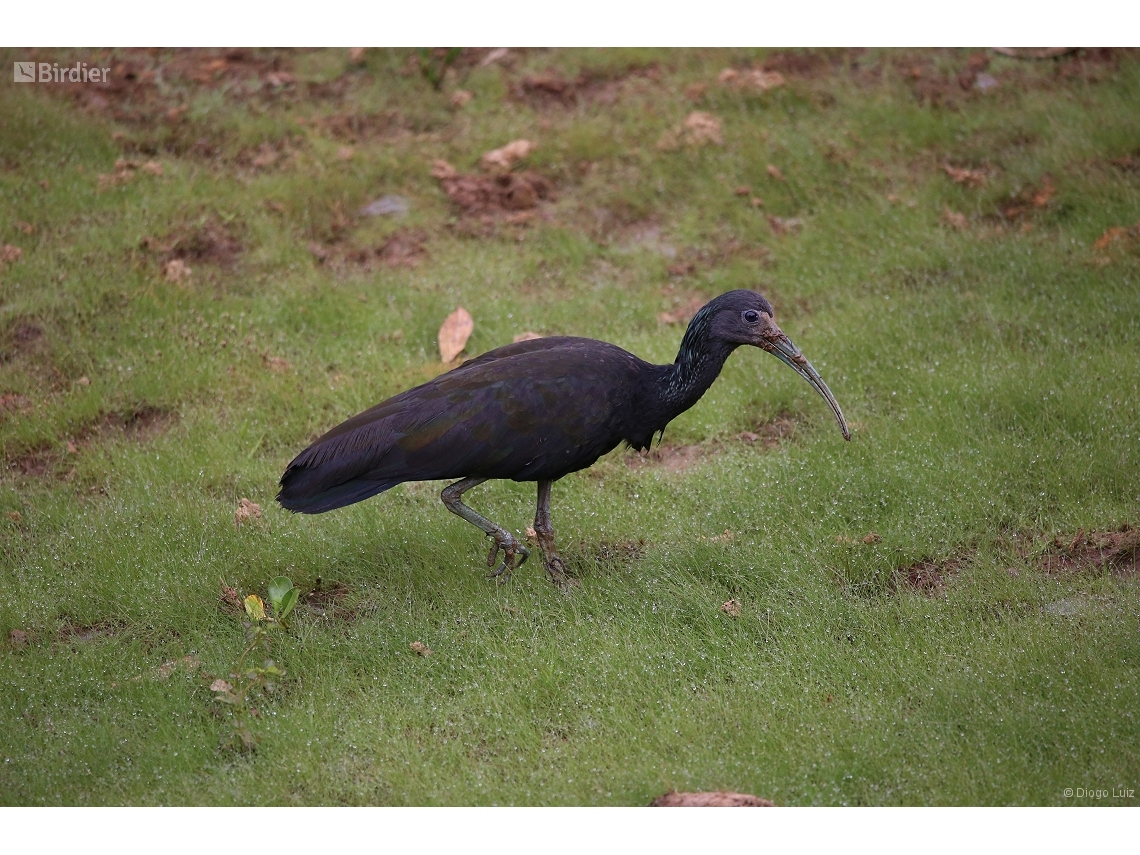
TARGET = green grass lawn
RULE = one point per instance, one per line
(942, 611)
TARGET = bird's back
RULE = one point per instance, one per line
(530, 411)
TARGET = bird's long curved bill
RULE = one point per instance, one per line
(782, 348)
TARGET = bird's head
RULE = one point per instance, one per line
(745, 317)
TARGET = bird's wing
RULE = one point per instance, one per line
(536, 413)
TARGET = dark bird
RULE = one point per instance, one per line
(531, 411)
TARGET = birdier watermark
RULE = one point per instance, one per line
(53, 72)
(1099, 793)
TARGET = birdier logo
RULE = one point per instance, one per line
(51, 72)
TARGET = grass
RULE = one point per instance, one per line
(991, 375)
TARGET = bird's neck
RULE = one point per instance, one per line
(699, 361)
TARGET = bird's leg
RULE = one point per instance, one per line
(544, 533)
(452, 496)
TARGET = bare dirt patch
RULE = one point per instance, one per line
(927, 577)
(404, 248)
(21, 338)
(209, 241)
(772, 433)
(1115, 551)
(713, 799)
(491, 195)
(74, 632)
(47, 459)
(552, 89)
(328, 601)
(676, 459)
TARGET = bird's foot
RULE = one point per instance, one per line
(512, 549)
(559, 575)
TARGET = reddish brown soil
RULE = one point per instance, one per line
(1115, 551)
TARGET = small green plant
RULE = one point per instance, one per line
(434, 63)
(246, 678)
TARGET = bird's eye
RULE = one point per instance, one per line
(751, 317)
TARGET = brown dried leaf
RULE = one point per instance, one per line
(220, 685)
(774, 172)
(871, 537)
(420, 649)
(246, 510)
(460, 98)
(785, 225)
(1110, 236)
(507, 156)
(1045, 193)
(453, 334)
(345, 152)
(152, 167)
(356, 55)
(969, 177)
(731, 607)
(16, 517)
(10, 254)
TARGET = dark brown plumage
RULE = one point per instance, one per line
(531, 411)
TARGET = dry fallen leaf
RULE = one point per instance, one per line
(420, 649)
(968, 177)
(507, 156)
(356, 55)
(72, 448)
(460, 98)
(731, 608)
(246, 510)
(16, 517)
(9, 253)
(176, 270)
(525, 336)
(26, 228)
(785, 225)
(1110, 236)
(774, 172)
(531, 534)
(152, 167)
(729, 75)
(743, 190)
(220, 685)
(1045, 193)
(955, 220)
(872, 538)
(345, 152)
(453, 334)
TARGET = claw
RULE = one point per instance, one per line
(511, 549)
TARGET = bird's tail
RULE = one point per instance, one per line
(294, 497)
